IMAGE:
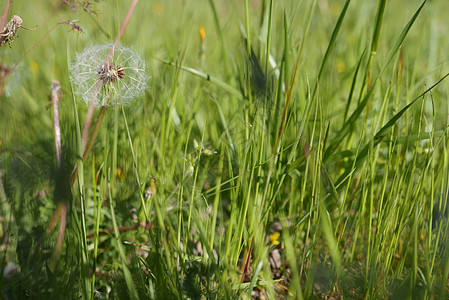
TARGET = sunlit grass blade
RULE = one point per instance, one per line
(350, 123)
(85, 277)
(293, 78)
(331, 44)
(379, 135)
(383, 131)
(127, 274)
(222, 40)
(333, 190)
(329, 236)
(221, 84)
(353, 84)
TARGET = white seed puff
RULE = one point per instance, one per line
(100, 78)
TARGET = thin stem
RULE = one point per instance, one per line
(91, 142)
(54, 98)
(5, 14)
(126, 20)
(284, 114)
(139, 183)
(91, 108)
(85, 133)
(41, 39)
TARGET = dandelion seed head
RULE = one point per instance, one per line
(102, 76)
(110, 73)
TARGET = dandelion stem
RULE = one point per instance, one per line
(94, 133)
(91, 142)
(108, 58)
(85, 133)
(126, 20)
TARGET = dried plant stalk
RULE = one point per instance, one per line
(5, 13)
(61, 210)
(55, 95)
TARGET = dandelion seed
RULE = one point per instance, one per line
(108, 74)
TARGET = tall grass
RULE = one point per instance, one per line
(298, 150)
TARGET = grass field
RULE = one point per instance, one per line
(224, 149)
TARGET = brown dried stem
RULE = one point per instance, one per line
(54, 98)
(126, 20)
(61, 209)
(61, 212)
(5, 14)
(89, 146)
(85, 133)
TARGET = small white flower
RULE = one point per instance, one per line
(108, 74)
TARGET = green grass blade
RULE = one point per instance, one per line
(328, 182)
(221, 84)
(354, 81)
(348, 125)
(329, 236)
(331, 44)
(379, 19)
(85, 277)
(381, 133)
(222, 41)
(128, 277)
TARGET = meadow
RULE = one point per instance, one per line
(215, 149)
